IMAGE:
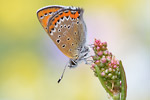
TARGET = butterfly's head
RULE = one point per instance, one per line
(72, 63)
(79, 57)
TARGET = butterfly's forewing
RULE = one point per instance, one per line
(45, 13)
(67, 29)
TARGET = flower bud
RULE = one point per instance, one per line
(110, 69)
(108, 58)
(103, 48)
(103, 60)
(105, 53)
(100, 53)
(115, 66)
(102, 69)
(102, 65)
(98, 48)
(93, 67)
(109, 65)
(107, 68)
(97, 42)
(105, 44)
(97, 62)
(117, 62)
(109, 75)
(103, 74)
(106, 71)
(113, 77)
(113, 70)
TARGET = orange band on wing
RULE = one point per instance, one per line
(62, 15)
(42, 13)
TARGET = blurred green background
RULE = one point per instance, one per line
(31, 64)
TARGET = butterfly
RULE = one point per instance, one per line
(67, 29)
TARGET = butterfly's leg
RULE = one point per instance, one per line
(89, 62)
(90, 45)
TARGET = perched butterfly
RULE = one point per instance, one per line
(66, 27)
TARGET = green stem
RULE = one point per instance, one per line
(102, 82)
(123, 82)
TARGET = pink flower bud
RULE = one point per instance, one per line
(97, 42)
(110, 69)
(100, 53)
(112, 62)
(105, 52)
(109, 53)
(109, 65)
(106, 71)
(103, 60)
(115, 66)
(117, 62)
(93, 67)
(97, 62)
(105, 44)
(108, 58)
(100, 45)
(103, 73)
(98, 48)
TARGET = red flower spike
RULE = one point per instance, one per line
(109, 71)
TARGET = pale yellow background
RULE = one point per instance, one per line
(30, 63)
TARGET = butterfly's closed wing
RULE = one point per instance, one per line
(45, 13)
(67, 30)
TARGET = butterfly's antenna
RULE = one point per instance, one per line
(62, 73)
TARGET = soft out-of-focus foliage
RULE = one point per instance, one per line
(30, 63)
